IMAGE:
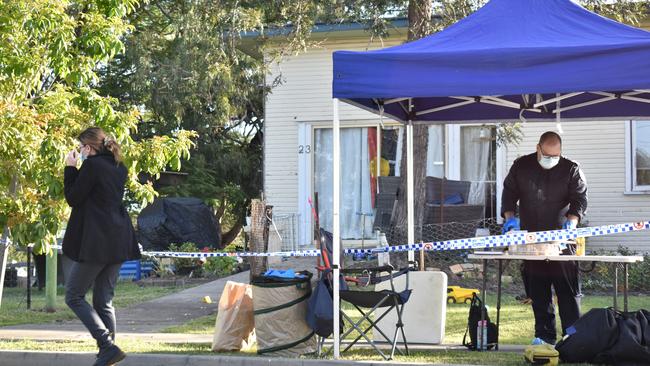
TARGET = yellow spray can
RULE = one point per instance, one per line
(580, 246)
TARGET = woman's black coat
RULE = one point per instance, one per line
(99, 229)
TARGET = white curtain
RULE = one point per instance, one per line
(435, 152)
(398, 154)
(356, 205)
(475, 156)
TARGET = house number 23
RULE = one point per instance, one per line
(304, 149)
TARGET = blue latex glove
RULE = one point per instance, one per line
(569, 224)
(511, 224)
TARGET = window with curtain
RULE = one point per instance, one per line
(358, 167)
(356, 212)
(640, 157)
(435, 151)
(478, 164)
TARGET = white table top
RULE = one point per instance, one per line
(562, 258)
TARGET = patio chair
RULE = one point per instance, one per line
(368, 302)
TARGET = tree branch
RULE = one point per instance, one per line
(230, 236)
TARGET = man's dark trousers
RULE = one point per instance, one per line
(563, 277)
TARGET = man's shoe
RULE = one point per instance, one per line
(109, 356)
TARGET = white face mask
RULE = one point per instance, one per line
(548, 162)
(82, 156)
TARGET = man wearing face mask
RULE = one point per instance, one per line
(552, 194)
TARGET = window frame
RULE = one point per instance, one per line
(313, 127)
(630, 160)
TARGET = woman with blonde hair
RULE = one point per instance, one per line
(99, 236)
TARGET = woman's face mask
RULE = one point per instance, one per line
(83, 152)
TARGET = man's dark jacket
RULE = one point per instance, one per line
(545, 197)
(99, 229)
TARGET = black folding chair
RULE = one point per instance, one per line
(369, 303)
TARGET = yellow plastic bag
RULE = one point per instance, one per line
(234, 327)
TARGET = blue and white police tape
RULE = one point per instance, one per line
(161, 254)
(518, 238)
(494, 241)
(299, 253)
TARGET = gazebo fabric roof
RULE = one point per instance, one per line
(511, 59)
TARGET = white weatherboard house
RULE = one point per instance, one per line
(615, 156)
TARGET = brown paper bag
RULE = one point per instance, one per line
(234, 327)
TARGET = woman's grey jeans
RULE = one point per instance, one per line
(99, 318)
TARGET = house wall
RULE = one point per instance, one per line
(600, 148)
(304, 97)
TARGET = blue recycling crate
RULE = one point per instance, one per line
(135, 270)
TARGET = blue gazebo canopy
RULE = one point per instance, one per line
(511, 59)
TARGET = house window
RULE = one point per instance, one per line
(475, 162)
(356, 211)
(639, 156)
(478, 165)
(436, 152)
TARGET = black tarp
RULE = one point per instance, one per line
(610, 337)
(176, 220)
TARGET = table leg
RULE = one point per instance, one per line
(483, 310)
(625, 284)
(615, 286)
(496, 347)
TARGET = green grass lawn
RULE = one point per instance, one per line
(516, 328)
(14, 302)
(517, 322)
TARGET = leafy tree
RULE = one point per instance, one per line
(50, 53)
(190, 65)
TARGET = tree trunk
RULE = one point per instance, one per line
(51, 280)
(4, 253)
(259, 236)
(229, 236)
(399, 221)
(419, 18)
(4, 242)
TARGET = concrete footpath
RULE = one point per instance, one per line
(22, 358)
